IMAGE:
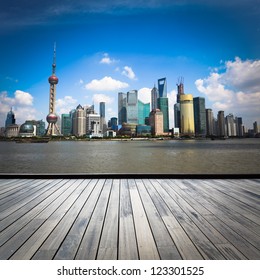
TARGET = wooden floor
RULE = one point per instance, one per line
(129, 219)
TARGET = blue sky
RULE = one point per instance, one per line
(104, 47)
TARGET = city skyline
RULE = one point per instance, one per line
(103, 49)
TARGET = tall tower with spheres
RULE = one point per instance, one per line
(52, 118)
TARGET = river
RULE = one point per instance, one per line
(232, 156)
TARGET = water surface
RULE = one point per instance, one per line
(239, 156)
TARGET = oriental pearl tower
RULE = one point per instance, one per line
(52, 117)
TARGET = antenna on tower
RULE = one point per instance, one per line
(54, 59)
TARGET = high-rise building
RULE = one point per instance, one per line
(79, 121)
(113, 124)
(102, 113)
(162, 87)
(122, 115)
(199, 116)
(52, 118)
(180, 89)
(162, 104)
(93, 128)
(239, 127)
(143, 111)
(66, 124)
(231, 125)
(256, 129)
(132, 107)
(10, 118)
(156, 122)
(177, 107)
(187, 115)
(154, 97)
(102, 109)
(177, 115)
(209, 122)
(221, 124)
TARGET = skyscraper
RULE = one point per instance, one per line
(231, 126)
(180, 88)
(52, 118)
(79, 121)
(10, 118)
(102, 113)
(199, 116)
(187, 115)
(121, 108)
(132, 107)
(93, 128)
(177, 106)
(209, 122)
(256, 129)
(143, 111)
(239, 127)
(156, 122)
(162, 104)
(154, 97)
(66, 124)
(162, 87)
(221, 124)
(177, 115)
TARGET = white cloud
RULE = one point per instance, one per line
(65, 105)
(23, 98)
(236, 89)
(243, 75)
(129, 73)
(144, 95)
(106, 84)
(22, 104)
(97, 98)
(213, 88)
(106, 59)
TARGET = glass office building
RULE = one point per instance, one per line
(162, 104)
(143, 111)
(199, 116)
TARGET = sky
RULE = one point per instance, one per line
(105, 47)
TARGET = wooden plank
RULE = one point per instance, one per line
(165, 245)
(16, 202)
(207, 188)
(29, 210)
(245, 184)
(40, 239)
(247, 199)
(191, 209)
(90, 241)
(128, 219)
(109, 238)
(12, 187)
(145, 240)
(230, 235)
(219, 204)
(235, 239)
(184, 244)
(54, 240)
(127, 246)
(193, 227)
(20, 192)
(16, 234)
(70, 244)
